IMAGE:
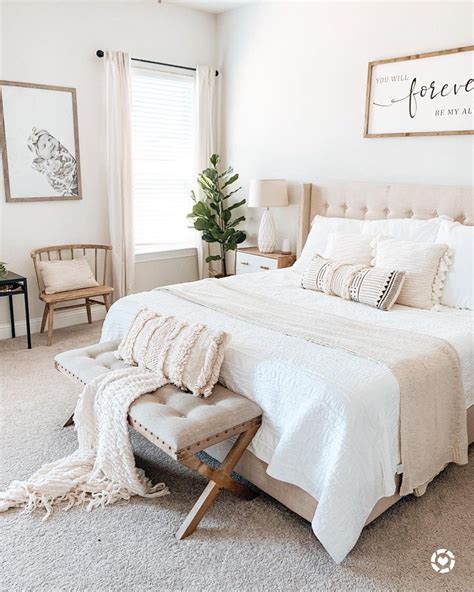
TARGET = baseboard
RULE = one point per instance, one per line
(61, 319)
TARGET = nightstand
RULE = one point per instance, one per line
(250, 260)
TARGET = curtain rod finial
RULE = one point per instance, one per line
(99, 53)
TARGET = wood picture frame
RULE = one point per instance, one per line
(409, 88)
(28, 177)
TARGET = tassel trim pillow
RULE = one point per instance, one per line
(425, 264)
(190, 355)
(368, 285)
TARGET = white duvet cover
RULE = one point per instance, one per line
(341, 449)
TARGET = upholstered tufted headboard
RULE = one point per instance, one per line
(376, 201)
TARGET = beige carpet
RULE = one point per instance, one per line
(257, 545)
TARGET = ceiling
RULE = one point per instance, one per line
(215, 6)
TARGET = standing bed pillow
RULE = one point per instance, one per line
(458, 287)
(425, 265)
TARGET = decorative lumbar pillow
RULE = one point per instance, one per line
(350, 248)
(67, 274)
(425, 265)
(458, 288)
(189, 355)
(369, 285)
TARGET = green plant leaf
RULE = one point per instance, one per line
(226, 173)
(210, 174)
(233, 179)
(237, 204)
(200, 209)
(207, 236)
(213, 258)
(237, 221)
(226, 216)
(214, 159)
(232, 192)
(202, 224)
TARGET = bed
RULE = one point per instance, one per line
(331, 458)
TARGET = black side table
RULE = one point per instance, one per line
(12, 284)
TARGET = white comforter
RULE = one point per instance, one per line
(341, 449)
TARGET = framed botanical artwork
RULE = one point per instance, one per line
(427, 94)
(39, 141)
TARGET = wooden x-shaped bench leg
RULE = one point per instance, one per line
(219, 479)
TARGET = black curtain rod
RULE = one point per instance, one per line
(100, 54)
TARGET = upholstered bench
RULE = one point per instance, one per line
(179, 423)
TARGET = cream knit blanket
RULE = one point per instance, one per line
(433, 429)
(102, 470)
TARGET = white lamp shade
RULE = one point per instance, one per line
(268, 193)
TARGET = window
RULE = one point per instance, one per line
(162, 122)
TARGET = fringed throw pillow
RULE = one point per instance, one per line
(190, 355)
(369, 285)
(425, 265)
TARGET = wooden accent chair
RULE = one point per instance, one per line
(61, 252)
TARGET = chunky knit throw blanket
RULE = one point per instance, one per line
(102, 470)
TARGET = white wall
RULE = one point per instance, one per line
(294, 80)
(55, 43)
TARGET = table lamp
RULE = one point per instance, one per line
(267, 193)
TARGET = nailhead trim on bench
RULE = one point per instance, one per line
(188, 451)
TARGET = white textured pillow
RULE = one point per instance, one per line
(426, 266)
(399, 228)
(458, 287)
(318, 237)
(405, 228)
(190, 355)
(349, 248)
(68, 274)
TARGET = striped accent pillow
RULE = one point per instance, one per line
(368, 285)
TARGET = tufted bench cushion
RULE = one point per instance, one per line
(180, 423)
(176, 421)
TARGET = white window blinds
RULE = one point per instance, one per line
(162, 127)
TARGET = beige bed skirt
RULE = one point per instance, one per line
(292, 496)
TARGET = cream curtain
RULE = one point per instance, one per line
(119, 170)
(204, 141)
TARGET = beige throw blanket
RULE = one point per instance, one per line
(433, 428)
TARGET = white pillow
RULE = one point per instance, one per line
(399, 228)
(458, 287)
(317, 240)
(349, 248)
(405, 228)
(65, 275)
(426, 265)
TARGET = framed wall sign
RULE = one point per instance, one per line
(39, 142)
(427, 94)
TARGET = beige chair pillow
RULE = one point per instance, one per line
(67, 274)
(425, 264)
(368, 285)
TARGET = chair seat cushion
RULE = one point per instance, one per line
(177, 421)
(76, 294)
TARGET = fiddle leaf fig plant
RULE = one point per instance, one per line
(213, 215)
